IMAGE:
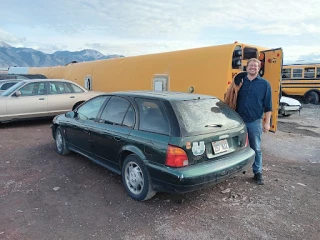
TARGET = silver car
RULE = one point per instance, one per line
(6, 84)
(41, 98)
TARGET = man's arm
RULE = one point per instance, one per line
(266, 123)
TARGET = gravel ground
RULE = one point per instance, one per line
(46, 196)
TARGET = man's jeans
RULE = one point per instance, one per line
(254, 134)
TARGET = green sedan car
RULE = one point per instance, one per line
(158, 141)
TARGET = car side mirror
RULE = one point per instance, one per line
(70, 114)
(17, 93)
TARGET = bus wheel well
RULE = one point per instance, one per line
(312, 96)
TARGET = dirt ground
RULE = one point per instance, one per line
(46, 196)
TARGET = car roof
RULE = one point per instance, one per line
(11, 80)
(46, 79)
(164, 95)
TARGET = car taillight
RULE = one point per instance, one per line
(176, 157)
(247, 141)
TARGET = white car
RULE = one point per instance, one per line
(41, 98)
(289, 106)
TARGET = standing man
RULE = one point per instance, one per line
(254, 99)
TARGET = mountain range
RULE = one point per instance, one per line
(28, 57)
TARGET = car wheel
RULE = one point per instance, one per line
(312, 97)
(61, 145)
(136, 179)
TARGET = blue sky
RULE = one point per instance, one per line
(140, 27)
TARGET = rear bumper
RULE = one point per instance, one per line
(191, 178)
(289, 109)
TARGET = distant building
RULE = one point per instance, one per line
(18, 70)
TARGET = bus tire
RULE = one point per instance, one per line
(312, 97)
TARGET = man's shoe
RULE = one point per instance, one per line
(258, 178)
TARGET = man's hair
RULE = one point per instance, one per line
(254, 60)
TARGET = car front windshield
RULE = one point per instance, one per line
(12, 89)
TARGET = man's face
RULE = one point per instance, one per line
(253, 68)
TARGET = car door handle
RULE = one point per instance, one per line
(41, 98)
(117, 138)
(72, 97)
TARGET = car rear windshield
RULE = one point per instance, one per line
(201, 116)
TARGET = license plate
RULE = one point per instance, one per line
(220, 146)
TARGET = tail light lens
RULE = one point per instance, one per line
(176, 157)
(247, 141)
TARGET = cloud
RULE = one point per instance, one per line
(11, 39)
(139, 27)
(301, 53)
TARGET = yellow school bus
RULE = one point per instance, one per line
(206, 70)
(302, 80)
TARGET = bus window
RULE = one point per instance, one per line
(309, 72)
(297, 73)
(236, 57)
(318, 72)
(286, 73)
(249, 53)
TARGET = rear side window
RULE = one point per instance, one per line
(200, 116)
(76, 88)
(60, 88)
(152, 116)
(115, 111)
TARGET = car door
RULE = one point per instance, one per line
(114, 125)
(271, 65)
(61, 97)
(31, 103)
(154, 129)
(79, 129)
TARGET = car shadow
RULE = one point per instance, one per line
(26, 123)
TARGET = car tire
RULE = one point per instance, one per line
(136, 179)
(61, 145)
(312, 97)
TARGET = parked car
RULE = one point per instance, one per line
(289, 106)
(7, 83)
(22, 76)
(158, 141)
(41, 98)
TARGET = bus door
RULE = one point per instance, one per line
(271, 66)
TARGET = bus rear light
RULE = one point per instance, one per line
(261, 56)
(176, 157)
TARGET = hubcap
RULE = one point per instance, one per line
(134, 178)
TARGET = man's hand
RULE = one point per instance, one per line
(266, 122)
(266, 127)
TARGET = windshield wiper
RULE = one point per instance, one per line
(214, 125)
